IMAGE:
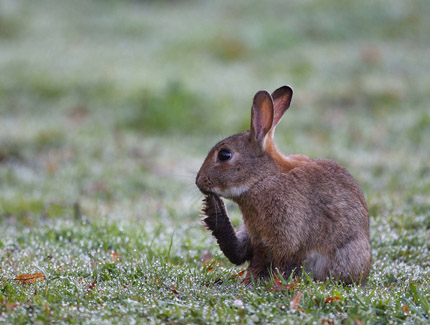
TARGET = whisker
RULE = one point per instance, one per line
(195, 199)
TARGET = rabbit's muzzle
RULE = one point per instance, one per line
(204, 183)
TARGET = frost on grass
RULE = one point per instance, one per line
(106, 208)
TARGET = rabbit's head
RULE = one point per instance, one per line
(236, 163)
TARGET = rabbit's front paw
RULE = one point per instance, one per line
(214, 210)
(213, 206)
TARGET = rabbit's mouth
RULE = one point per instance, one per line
(204, 184)
(211, 191)
(206, 192)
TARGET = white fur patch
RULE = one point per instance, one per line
(231, 192)
(316, 264)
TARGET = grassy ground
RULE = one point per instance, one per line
(107, 109)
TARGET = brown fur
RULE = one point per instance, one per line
(298, 212)
(284, 163)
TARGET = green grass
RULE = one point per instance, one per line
(108, 108)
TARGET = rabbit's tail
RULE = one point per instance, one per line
(351, 263)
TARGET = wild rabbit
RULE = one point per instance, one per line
(298, 212)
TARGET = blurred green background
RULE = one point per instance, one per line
(108, 108)
(124, 93)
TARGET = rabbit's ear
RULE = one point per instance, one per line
(261, 117)
(281, 102)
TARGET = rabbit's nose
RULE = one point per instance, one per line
(203, 182)
(200, 180)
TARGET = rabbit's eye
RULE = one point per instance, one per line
(224, 155)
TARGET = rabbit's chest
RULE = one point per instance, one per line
(262, 223)
(262, 234)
